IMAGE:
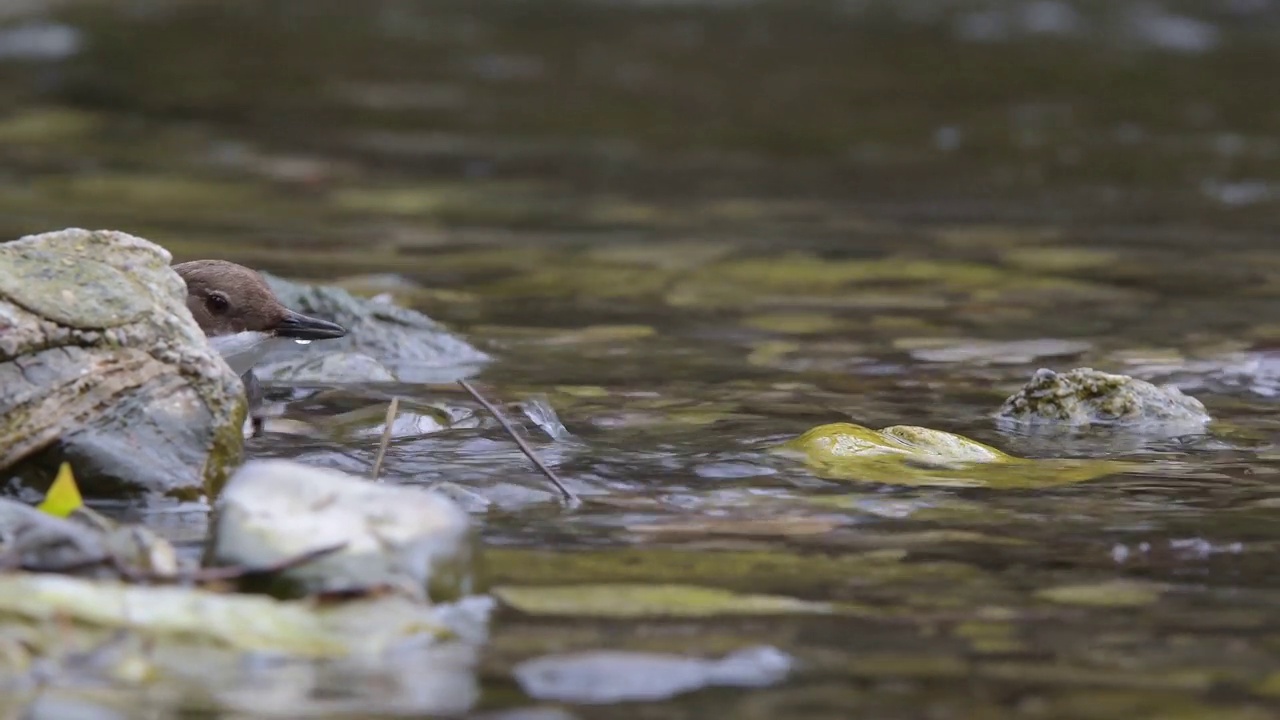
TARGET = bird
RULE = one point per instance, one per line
(243, 320)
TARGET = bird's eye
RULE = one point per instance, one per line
(217, 303)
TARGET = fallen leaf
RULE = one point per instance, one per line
(63, 497)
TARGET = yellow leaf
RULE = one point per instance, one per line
(63, 497)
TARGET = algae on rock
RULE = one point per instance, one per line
(102, 366)
(910, 455)
(1085, 396)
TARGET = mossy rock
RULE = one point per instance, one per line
(1085, 396)
(911, 455)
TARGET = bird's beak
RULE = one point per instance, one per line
(301, 327)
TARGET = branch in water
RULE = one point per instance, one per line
(568, 495)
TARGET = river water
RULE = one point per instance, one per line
(694, 230)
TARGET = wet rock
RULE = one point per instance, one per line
(102, 366)
(911, 455)
(237, 621)
(407, 538)
(331, 368)
(602, 676)
(1085, 396)
(35, 538)
(409, 345)
(82, 541)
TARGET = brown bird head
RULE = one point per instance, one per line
(226, 298)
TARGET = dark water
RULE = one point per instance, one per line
(695, 230)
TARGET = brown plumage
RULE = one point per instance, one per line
(228, 298)
(241, 316)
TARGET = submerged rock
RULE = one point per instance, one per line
(1085, 396)
(298, 628)
(910, 455)
(80, 542)
(406, 344)
(611, 676)
(35, 538)
(408, 538)
(332, 368)
(102, 366)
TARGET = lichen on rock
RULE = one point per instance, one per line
(920, 456)
(1084, 396)
(102, 366)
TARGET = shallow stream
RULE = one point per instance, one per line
(695, 230)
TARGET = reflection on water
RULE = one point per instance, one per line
(690, 231)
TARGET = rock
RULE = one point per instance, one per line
(79, 542)
(409, 345)
(330, 368)
(243, 622)
(409, 538)
(1085, 396)
(40, 539)
(612, 676)
(920, 456)
(102, 366)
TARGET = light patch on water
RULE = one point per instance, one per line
(601, 677)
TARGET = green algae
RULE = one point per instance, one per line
(994, 638)
(1174, 703)
(909, 455)
(650, 600)
(226, 447)
(143, 191)
(758, 571)
(573, 280)
(52, 126)
(1058, 259)
(842, 283)
(795, 323)
(491, 201)
(1112, 593)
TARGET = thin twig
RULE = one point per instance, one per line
(569, 497)
(386, 436)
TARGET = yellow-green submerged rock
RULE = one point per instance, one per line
(912, 455)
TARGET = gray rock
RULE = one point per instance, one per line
(408, 344)
(1085, 396)
(330, 368)
(102, 366)
(611, 676)
(404, 537)
(40, 539)
(78, 543)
